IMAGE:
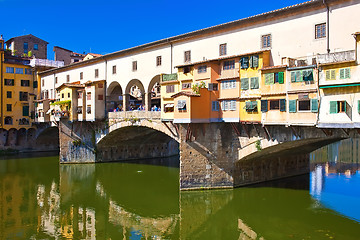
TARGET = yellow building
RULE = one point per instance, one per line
(169, 86)
(250, 85)
(17, 92)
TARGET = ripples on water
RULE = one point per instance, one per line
(40, 199)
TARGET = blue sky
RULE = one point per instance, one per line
(111, 25)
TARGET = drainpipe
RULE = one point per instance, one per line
(171, 56)
(327, 25)
(2, 59)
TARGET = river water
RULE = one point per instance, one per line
(40, 199)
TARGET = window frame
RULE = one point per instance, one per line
(320, 30)
(134, 66)
(187, 56)
(223, 49)
(266, 41)
(158, 61)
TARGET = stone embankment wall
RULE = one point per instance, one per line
(40, 138)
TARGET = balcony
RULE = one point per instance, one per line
(336, 57)
(45, 63)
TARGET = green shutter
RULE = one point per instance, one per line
(327, 75)
(342, 73)
(251, 61)
(314, 105)
(358, 106)
(281, 77)
(333, 75)
(298, 76)
(244, 62)
(254, 105)
(254, 84)
(244, 83)
(333, 107)
(347, 73)
(292, 106)
(264, 105)
(282, 105)
(25, 110)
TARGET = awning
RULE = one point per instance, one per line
(181, 104)
(250, 105)
(169, 105)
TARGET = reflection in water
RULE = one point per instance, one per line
(335, 177)
(41, 200)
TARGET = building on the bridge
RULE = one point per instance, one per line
(339, 85)
(302, 91)
(251, 85)
(273, 94)
(288, 79)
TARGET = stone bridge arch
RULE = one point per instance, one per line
(47, 139)
(137, 139)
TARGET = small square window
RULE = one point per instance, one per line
(134, 66)
(96, 73)
(81, 75)
(114, 69)
(266, 41)
(9, 94)
(36, 46)
(158, 61)
(320, 30)
(67, 78)
(56, 80)
(8, 107)
(222, 49)
(68, 95)
(100, 97)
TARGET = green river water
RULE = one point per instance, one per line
(40, 199)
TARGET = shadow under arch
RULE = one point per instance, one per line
(114, 96)
(136, 142)
(48, 139)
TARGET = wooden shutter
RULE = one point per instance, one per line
(292, 106)
(264, 105)
(332, 75)
(342, 73)
(327, 75)
(244, 62)
(282, 105)
(314, 105)
(293, 76)
(251, 61)
(245, 83)
(333, 107)
(25, 110)
(281, 77)
(254, 84)
(298, 76)
(233, 105)
(347, 73)
(269, 78)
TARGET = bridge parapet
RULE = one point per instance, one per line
(135, 115)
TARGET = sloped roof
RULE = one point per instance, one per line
(185, 93)
(23, 36)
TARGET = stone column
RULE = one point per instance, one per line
(126, 99)
(148, 101)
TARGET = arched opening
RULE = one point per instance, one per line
(3, 136)
(114, 98)
(11, 137)
(134, 96)
(154, 94)
(48, 139)
(136, 143)
(21, 138)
